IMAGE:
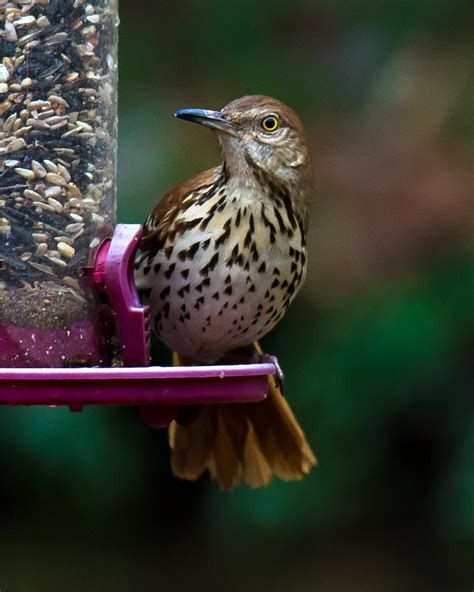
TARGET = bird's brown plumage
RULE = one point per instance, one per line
(165, 211)
(223, 255)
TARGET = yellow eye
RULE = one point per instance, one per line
(270, 123)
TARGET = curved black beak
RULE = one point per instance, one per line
(213, 119)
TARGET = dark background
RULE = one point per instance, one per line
(375, 349)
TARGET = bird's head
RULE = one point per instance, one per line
(259, 134)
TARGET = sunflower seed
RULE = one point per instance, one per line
(25, 173)
(38, 168)
(66, 250)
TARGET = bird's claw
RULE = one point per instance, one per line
(278, 376)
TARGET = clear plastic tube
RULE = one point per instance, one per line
(58, 97)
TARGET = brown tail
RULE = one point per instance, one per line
(247, 442)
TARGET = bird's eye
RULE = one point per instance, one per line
(270, 123)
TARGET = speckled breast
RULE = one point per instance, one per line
(226, 280)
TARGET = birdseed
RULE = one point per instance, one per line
(58, 120)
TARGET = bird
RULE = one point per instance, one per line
(221, 258)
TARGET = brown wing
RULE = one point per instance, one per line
(165, 211)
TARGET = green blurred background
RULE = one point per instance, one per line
(375, 349)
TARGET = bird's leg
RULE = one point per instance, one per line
(258, 357)
(177, 359)
(253, 354)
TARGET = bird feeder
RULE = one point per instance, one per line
(72, 329)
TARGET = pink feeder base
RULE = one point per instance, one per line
(38, 348)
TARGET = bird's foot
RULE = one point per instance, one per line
(261, 358)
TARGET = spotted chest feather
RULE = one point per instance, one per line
(222, 270)
(222, 274)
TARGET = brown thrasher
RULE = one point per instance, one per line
(222, 257)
